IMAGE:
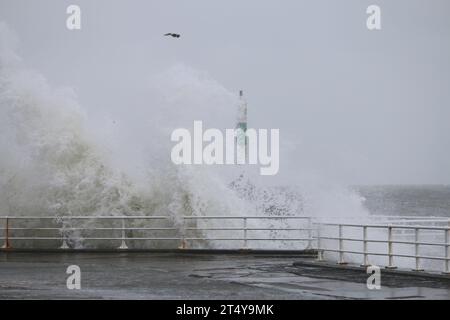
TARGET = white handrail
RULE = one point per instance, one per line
(124, 228)
(314, 233)
(390, 241)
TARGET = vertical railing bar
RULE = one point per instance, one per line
(245, 234)
(366, 256)
(309, 245)
(341, 245)
(183, 234)
(319, 243)
(123, 245)
(390, 249)
(64, 244)
(447, 250)
(7, 245)
(416, 249)
(64, 237)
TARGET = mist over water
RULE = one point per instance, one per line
(60, 159)
(415, 200)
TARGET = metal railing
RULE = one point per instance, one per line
(239, 230)
(247, 232)
(386, 237)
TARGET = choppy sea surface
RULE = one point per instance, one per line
(417, 200)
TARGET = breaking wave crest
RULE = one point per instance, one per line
(57, 161)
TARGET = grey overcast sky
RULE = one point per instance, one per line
(358, 106)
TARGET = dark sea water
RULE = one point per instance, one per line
(417, 200)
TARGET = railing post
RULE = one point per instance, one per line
(245, 234)
(309, 245)
(366, 256)
(416, 249)
(447, 250)
(64, 244)
(341, 246)
(7, 245)
(123, 245)
(64, 237)
(390, 250)
(183, 233)
(319, 244)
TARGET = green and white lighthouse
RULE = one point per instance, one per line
(242, 121)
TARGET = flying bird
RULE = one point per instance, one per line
(174, 35)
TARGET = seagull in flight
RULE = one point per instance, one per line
(174, 35)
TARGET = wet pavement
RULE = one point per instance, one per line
(140, 275)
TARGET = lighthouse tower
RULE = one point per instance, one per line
(241, 129)
(242, 122)
(242, 184)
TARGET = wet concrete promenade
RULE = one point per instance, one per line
(146, 275)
